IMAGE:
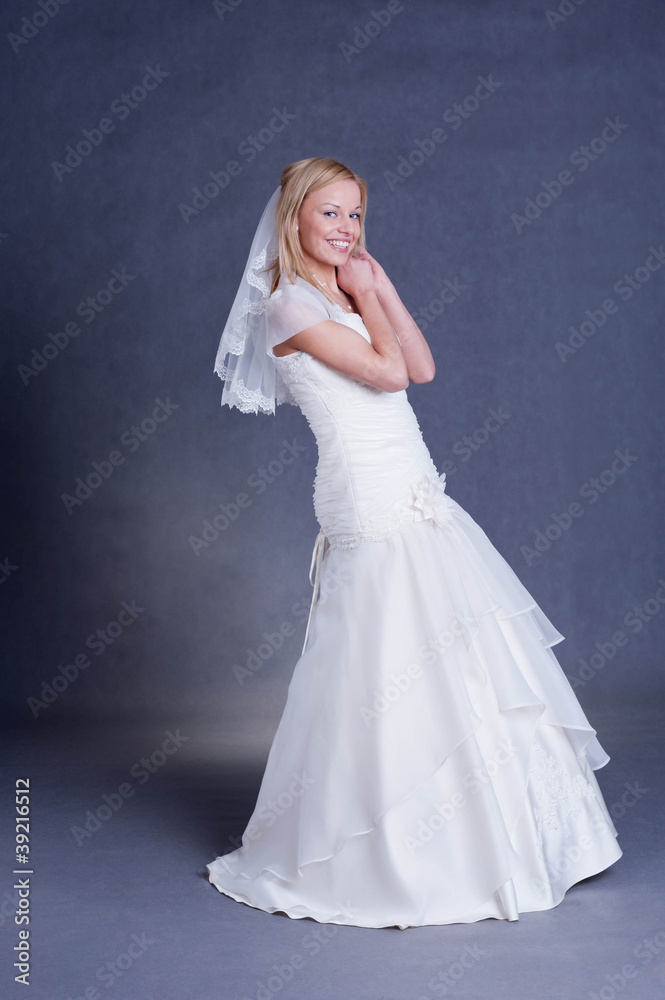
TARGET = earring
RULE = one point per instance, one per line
(297, 228)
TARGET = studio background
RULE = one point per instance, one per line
(515, 288)
(121, 255)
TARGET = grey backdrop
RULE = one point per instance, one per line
(537, 201)
(478, 218)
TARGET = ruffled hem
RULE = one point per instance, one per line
(501, 901)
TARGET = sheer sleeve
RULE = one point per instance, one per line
(290, 310)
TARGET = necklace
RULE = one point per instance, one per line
(344, 305)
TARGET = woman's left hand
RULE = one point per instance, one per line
(355, 276)
(381, 279)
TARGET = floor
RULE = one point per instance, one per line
(122, 907)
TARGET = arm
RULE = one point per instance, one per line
(380, 363)
(345, 350)
(415, 349)
(385, 343)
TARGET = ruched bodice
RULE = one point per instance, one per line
(374, 469)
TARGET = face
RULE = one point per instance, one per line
(329, 222)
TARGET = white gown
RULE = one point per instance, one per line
(432, 764)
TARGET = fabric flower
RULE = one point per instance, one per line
(430, 497)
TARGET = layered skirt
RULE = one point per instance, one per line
(432, 764)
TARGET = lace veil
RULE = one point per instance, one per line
(252, 382)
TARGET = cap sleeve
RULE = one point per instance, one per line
(290, 310)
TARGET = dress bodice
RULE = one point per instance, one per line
(374, 470)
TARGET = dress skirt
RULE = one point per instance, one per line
(432, 764)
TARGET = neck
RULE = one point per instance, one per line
(325, 274)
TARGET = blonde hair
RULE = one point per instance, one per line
(298, 180)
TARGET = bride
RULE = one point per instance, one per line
(432, 764)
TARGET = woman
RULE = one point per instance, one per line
(432, 764)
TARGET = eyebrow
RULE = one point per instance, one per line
(338, 206)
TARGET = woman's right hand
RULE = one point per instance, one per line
(356, 276)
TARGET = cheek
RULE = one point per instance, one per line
(312, 235)
(310, 240)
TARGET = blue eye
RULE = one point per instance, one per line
(330, 211)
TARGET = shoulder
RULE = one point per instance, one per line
(298, 290)
(297, 299)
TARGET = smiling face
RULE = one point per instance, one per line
(329, 223)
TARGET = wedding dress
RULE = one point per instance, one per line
(432, 764)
